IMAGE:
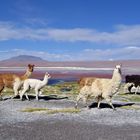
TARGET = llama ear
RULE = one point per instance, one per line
(33, 65)
(120, 64)
(49, 76)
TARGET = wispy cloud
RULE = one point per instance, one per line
(24, 8)
(35, 22)
(122, 35)
(130, 52)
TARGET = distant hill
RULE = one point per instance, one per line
(24, 60)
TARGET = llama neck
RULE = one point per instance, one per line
(27, 74)
(116, 77)
(116, 82)
(45, 80)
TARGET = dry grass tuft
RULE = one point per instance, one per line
(34, 109)
(52, 111)
(134, 107)
(65, 110)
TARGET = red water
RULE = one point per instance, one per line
(40, 74)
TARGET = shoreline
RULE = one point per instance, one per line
(62, 74)
(69, 72)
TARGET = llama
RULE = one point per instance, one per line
(134, 80)
(100, 88)
(14, 81)
(35, 84)
(128, 86)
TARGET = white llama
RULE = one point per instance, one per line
(35, 84)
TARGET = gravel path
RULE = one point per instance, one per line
(100, 124)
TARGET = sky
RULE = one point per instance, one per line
(70, 30)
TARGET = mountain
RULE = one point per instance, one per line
(24, 60)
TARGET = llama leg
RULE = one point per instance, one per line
(1, 89)
(37, 93)
(85, 102)
(137, 89)
(27, 96)
(98, 102)
(21, 96)
(22, 93)
(130, 87)
(16, 90)
(110, 103)
(40, 92)
(127, 87)
(77, 100)
(15, 94)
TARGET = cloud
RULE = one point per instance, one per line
(35, 22)
(130, 52)
(122, 35)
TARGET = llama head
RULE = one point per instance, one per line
(118, 69)
(118, 66)
(47, 75)
(30, 67)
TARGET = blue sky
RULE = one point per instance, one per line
(70, 30)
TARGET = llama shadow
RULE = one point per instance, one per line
(138, 93)
(45, 98)
(51, 97)
(105, 105)
(7, 98)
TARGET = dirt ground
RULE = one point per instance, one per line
(88, 124)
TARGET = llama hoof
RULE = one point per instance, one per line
(114, 109)
(37, 98)
(75, 107)
(88, 107)
(12, 97)
(27, 99)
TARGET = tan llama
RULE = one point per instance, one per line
(14, 81)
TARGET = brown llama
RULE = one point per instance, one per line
(14, 81)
